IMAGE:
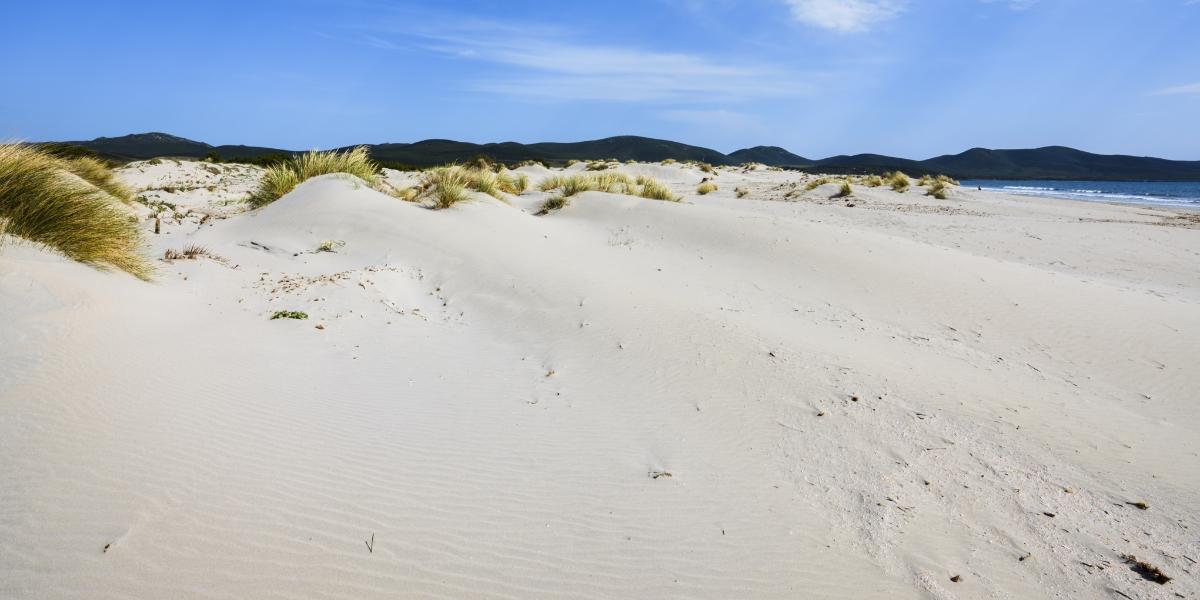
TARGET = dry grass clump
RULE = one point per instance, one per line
(610, 182)
(845, 191)
(898, 181)
(706, 188)
(601, 165)
(653, 189)
(668, 161)
(281, 178)
(513, 183)
(449, 194)
(816, 183)
(925, 180)
(937, 189)
(448, 185)
(43, 200)
(99, 175)
(873, 181)
(189, 252)
(946, 179)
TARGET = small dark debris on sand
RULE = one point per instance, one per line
(1139, 505)
(106, 547)
(1148, 571)
(1049, 514)
(658, 474)
(956, 578)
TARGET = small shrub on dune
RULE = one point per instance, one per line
(706, 188)
(873, 181)
(42, 201)
(449, 194)
(947, 180)
(845, 191)
(937, 189)
(281, 178)
(553, 203)
(925, 180)
(407, 194)
(513, 183)
(599, 165)
(707, 168)
(653, 189)
(669, 161)
(899, 182)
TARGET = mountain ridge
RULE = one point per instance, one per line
(1048, 162)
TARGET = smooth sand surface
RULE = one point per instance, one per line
(774, 396)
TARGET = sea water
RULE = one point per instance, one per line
(1185, 194)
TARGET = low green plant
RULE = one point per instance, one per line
(44, 201)
(707, 187)
(289, 314)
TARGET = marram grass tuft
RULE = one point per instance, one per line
(54, 203)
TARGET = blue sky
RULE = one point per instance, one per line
(913, 78)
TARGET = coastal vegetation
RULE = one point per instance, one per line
(280, 178)
(567, 186)
(58, 203)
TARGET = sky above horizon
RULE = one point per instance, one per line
(910, 78)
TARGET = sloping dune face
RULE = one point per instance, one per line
(719, 398)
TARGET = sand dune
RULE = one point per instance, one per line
(773, 396)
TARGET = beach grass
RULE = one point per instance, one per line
(44, 200)
(845, 191)
(898, 181)
(608, 181)
(707, 187)
(281, 178)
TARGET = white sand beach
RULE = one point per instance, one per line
(779, 395)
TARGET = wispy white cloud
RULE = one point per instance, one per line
(549, 65)
(1014, 4)
(846, 16)
(1178, 90)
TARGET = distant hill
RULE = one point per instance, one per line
(1052, 162)
(769, 155)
